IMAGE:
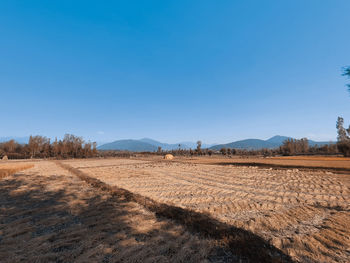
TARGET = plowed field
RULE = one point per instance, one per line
(306, 214)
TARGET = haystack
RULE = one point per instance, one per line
(169, 157)
(5, 158)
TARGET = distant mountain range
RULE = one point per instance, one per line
(146, 144)
(150, 145)
(256, 144)
(129, 145)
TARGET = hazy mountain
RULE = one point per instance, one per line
(129, 145)
(313, 143)
(249, 144)
(147, 144)
(165, 146)
(20, 140)
(256, 144)
(150, 145)
(193, 145)
(278, 140)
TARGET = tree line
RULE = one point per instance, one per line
(70, 146)
(289, 147)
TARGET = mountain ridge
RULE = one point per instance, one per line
(257, 144)
(147, 144)
(129, 145)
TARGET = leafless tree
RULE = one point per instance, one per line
(199, 147)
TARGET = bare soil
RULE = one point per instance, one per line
(305, 214)
(335, 163)
(48, 214)
(186, 210)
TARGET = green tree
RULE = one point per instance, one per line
(346, 73)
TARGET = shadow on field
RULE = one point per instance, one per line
(285, 166)
(240, 242)
(37, 225)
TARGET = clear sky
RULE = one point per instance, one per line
(218, 71)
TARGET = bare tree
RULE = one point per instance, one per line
(199, 147)
(343, 143)
(39, 146)
(342, 132)
(223, 151)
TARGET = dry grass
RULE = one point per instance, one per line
(312, 162)
(7, 169)
(47, 214)
(241, 242)
(161, 211)
(305, 214)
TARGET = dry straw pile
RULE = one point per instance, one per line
(169, 157)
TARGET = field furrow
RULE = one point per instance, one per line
(304, 213)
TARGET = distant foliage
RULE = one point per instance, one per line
(40, 147)
(223, 151)
(343, 137)
(199, 148)
(294, 146)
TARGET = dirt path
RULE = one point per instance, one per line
(49, 215)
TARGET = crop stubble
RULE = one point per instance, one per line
(47, 214)
(305, 214)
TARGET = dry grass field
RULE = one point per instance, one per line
(171, 211)
(47, 214)
(306, 214)
(8, 168)
(320, 162)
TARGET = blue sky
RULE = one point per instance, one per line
(218, 71)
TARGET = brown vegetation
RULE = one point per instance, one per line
(11, 168)
(330, 163)
(305, 214)
(241, 242)
(40, 147)
(48, 214)
(343, 137)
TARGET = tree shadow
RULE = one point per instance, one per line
(240, 241)
(78, 223)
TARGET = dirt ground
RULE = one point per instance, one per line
(330, 162)
(49, 215)
(306, 214)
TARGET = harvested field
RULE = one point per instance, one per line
(311, 162)
(306, 214)
(11, 168)
(48, 214)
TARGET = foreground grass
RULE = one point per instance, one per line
(47, 214)
(11, 168)
(304, 214)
